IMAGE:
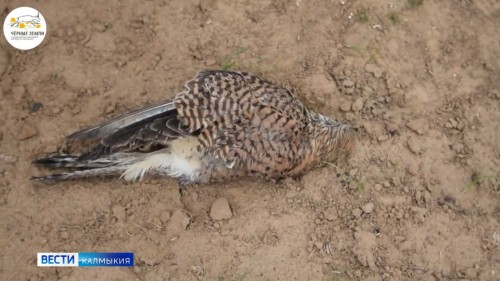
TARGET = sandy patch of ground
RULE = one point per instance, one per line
(419, 199)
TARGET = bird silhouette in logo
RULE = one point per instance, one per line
(26, 21)
(223, 125)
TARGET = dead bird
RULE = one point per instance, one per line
(223, 125)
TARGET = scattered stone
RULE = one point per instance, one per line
(18, 91)
(70, 32)
(357, 105)
(36, 106)
(418, 126)
(136, 24)
(27, 131)
(349, 116)
(392, 127)
(64, 235)
(414, 146)
(349, 91)
(357, 213)
(210, 62)
(353, 172)
(373, 69)
(330, 214)
(353, 185)
(367, 91)
(119, 212)
(137, 269)
(220, 210)
(75, 110)
(346, 106)
(178, 222)
(382, 138)
(56, 110)
(216, 225)
(378, 187)
(99, 26)
(110, 109)
(164, 216)
(368, 207)
(348, 83)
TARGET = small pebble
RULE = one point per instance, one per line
(330, 214)
(210, 62)
(357, 213)
(414, 146)
(368, 207)
(220, 210)
(119, 212)
(27, 131)
(56, 110)
(69, 31)
(64, 234)
(348, 83)
(110, 109)
(36, 106)
(373, 69)
(357, 105)
(99, 27)
(178, 222)
(346, 106)
(418, 126)
(164, 216)
(383, 138)
(353, 185)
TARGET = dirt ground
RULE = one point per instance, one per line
(418, 200)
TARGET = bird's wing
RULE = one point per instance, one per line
(244, 119)
(131, 119)
(145, 129)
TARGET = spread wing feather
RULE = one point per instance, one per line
(123, 121)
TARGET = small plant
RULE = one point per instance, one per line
(360, 186)
(354, 48)
(363, 16)
(372, 58)
(393, 16)
(415, 3)
(478, 178)
(229, 61)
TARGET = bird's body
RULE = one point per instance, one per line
(223, 125)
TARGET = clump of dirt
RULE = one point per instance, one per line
(418, 200)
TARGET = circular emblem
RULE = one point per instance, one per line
(24, 28)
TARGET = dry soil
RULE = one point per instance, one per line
(417, 200)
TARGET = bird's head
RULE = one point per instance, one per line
(335, 140)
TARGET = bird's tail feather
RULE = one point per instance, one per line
(72, 161)
(107, 171)
(112, 165)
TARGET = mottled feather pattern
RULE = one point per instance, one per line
(223, 125)
(245, 120)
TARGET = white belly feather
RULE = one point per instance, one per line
(179, 160)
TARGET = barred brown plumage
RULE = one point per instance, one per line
(224, 124)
